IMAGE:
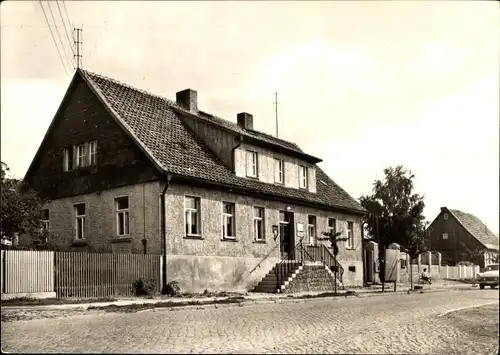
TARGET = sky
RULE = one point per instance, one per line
(363, 85)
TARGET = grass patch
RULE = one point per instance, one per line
(27, 301)
(135, 307)
(325, 294)
(481, 326)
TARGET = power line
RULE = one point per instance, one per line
(53, 38)
(58, 34)
(64, 25)
(66, 11)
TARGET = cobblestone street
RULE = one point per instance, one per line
(386, 324)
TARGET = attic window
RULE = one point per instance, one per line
(324, 183)
(445, 216)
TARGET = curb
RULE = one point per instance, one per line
(467, 307)
(220, 302)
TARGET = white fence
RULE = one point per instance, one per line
(459, 272)
(27, 271)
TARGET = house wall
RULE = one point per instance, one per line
(490, 257)
(455, 248)
(100, 233)
(219, 141)
(266, 166)
(82, 118)
(212, 263)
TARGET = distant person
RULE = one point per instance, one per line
(425, 276)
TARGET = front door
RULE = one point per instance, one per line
(286, 235)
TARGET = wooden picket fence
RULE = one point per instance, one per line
(27, 271)
(102, 275)
(73, 274)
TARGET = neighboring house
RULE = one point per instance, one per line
(115, 157)
(461, 236)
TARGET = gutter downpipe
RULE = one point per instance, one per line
(363, 256)
(164, 235)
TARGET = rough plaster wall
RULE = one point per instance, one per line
(266, 166)
(101, 220)
(211, 224)
(217, 273)
(244, 247)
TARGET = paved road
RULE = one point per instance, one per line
(386, 324)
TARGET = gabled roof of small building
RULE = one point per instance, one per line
(155, 124)
(477, 228)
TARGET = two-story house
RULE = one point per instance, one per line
(461, 236)
(127, 171)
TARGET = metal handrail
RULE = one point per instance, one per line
(321, 253)
(288, 265)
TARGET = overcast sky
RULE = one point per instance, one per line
(363, 85)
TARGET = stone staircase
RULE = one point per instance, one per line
(269, 284)
(299, 278)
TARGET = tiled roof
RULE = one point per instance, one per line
(156, 123)
(477, 228)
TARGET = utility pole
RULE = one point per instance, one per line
(276, 111)
(78, 45)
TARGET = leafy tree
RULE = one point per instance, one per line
(333, 237)
(20, 208)
(395, 212)
(495, 259)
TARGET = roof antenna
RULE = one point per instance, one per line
(78, 44)
(276, 110)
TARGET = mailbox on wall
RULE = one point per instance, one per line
(275, 231)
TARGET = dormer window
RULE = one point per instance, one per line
(279, 171)
(303, 177)
(252, 164)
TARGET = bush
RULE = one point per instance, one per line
(465, 263)
(144, 288)
(172, 289)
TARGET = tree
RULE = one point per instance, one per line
(333, 237)
(495, 259)
(20, 208)
(395, 213)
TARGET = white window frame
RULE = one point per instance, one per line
(125, 212)
(349, 243)
(303, 177)
(252, 164)
(279, 171)
(189, 212)
(81, 159)
(45, 222)
(68, 152)
(225, 217)
(258, 223)
(444, 236)
(92, 153)
(312, 230)
(80, 234)
(328, 227)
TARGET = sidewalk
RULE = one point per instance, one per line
(163, 301)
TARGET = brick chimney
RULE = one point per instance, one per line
(188, 99)
(245, 120)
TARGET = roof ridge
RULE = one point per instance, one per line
(128, 86)
(475, 217)
(179, 107)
